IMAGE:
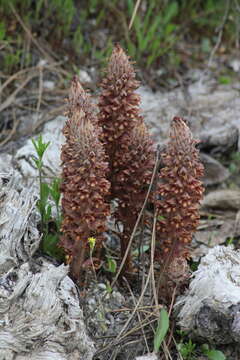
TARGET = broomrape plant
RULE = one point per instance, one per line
(110, 156)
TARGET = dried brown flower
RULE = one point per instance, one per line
(180, 191)
(84, 185)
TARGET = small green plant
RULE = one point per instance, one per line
(42, 204)
(109, 289)
(190, 350)
(187, 350)
(50, 229)
(224, 80)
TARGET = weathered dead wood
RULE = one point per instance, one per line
(210, 309)
(40, 316)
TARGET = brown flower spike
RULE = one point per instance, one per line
(118, 103)
(132, 180)
(180, 191)
(84, 186)
(127, 142)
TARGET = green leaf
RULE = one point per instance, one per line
(224, 80)
(215, 355)
(108, 287)
(131, 49)
(162, 328)
(44, 192)
(48, 213)
(151, 33)
(38, 162)
(111, 265)
(2, 31)
(54, 190)
(40, 146)
(170, 12)
(169, 29)
(140, 250)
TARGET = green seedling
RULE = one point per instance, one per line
(50, 236)
(187, 350)
(109, 289)
(42, 204)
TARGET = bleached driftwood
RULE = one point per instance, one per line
(19, 237)
(40, 316)
(210, 310)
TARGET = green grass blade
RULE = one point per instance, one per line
(162, 328)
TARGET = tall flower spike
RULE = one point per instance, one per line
(180, 191)
(135, 159)
(84, 186)
(127, 142)
(118, 103)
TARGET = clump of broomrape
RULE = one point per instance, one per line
(84, 184)
(111, 156)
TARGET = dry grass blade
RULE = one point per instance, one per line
(11, 98)
(15, 76)
(25, 28)
(136, 307)
(138, 313)
(153, 241)
(51, 67)
(116, 342)
(12, 132)
(179, 354)
(134, 13)
(48, 116)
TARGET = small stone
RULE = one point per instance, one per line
(50, 85)
(102, 286)
(84, 77)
